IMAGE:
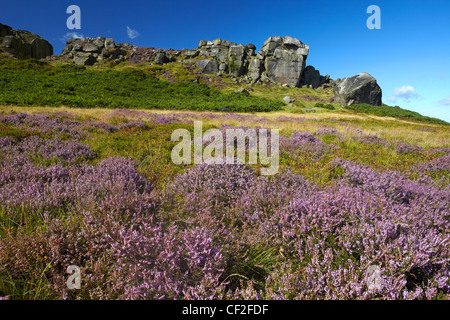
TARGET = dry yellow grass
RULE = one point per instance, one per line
(385, 127)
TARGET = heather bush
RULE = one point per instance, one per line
(441, 163)
(318, 243)
(305, 143)
(404, 148)
(132, 124)
(323, 131)
(370, 139)
(214, 231)
(56, 124)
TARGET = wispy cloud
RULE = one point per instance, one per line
(71, 35)
(132, 34)
(405, 92)
(445, 101)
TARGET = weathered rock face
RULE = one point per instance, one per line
(284, 59)
(230, 57)
(281, 60)
(88, 51)
(23, 44)
(362, 88)
(208, 66)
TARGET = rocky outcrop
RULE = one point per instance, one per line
(362, 88)
(229, 57)
(208, 66)
(280, 60)
(23, 44)
(87, 51)
(284, 59)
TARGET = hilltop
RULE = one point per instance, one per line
(218, 75)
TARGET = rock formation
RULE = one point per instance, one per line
(284, 59)
(87, 51)
(280, 60)
(312, 78)
(223, 57)
(362, 88)
(23, 44)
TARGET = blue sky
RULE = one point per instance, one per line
(409, 56)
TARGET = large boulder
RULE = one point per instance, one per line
(84, 59)
(23, 44)
(110, 44)
(219, 52)
(280, 60)
(254, 69)
(90, 47)
(311, 77)
(160, 58)
(362, 88)
(271, 44)
(208, 66)
(284, 59)
(231, 57)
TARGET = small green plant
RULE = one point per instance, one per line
(232, 63)
(324, 106)
(319, 105)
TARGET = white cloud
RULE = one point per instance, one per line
(445, 101)
(132, 33)
(71, 35)
(405, 92)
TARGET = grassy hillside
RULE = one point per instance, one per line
(39, 83)
(396, 112)
(173, 86)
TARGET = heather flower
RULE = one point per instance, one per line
(370, 139)
(132, 124)
(403, 148)
(439, 164)
(216, 231)
(327, 131)
(304, 142)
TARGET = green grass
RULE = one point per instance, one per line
(395, 112)
(149, 147)
(38, 83)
